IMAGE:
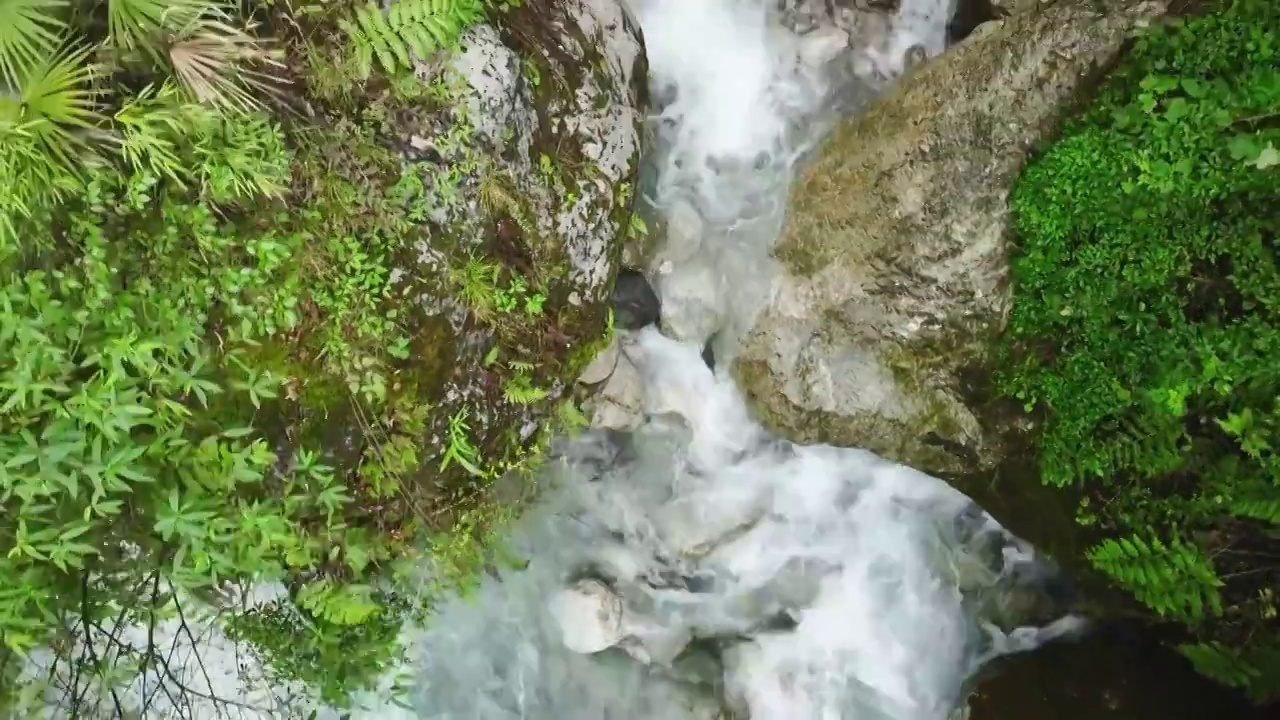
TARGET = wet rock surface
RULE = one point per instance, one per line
(895, 246)
(634, 302)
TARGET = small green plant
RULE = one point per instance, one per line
(460, 448)
(328, 637)
(520, 390)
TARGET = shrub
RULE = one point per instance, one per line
(1146, 328)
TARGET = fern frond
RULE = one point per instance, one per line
(1219, 662)
(520, 390)
(1260, 502)
(1175, 579)
(409, 28)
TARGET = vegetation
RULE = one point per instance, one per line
(1146, 329)
(215, 365)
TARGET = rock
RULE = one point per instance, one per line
(1012, 7)
(593, 618)
(635, 304)
(602, 366)
(620, 403)
(894, 251)
(490, 215)
(694, 300)
(822, 45)
(589, 615)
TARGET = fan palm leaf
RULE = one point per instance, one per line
(30, 31)
(56, 103)
(139, 24)
(214, 61)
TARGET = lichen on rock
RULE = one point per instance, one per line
(895, 246)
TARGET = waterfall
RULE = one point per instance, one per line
(699, 568)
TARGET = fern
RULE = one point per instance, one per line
(1226, 665)
(338, 604)
(417, 27)
(1174, 580)
(1258, 507)
(520, 390)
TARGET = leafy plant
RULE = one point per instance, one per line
(409, 26)
(197, 296)
(1146, 325)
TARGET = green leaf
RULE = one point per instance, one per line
(30, 31)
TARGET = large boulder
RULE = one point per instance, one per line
(521, 157)
(894, 257)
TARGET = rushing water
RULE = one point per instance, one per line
(817, 582)
(731, 573)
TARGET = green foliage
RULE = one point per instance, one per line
(1146, 322)
(408, 28)
(1238, 667)
(193, 294)
(1175, 579)
(329, 653)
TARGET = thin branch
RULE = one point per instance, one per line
(88, 641)
(186, 629)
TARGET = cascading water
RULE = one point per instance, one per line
(699, 568)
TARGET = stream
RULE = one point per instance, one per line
(699, 568)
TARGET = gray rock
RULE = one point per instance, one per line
(589, 106)
(589, 616)
(895, 247)
(600, 368)
(620, 403)
(1011, 7)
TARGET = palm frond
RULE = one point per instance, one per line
(29, 183)
(139, 24)
(149, 124)
(215, 60)
(30, 31)
(56, 103)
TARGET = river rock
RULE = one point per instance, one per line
(619, 405)
(894, 254)
(589, 616)
(599, 369)
(525, 150)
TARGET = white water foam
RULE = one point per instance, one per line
(810, 582)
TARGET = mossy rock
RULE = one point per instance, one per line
(894, 253)
(493, 197)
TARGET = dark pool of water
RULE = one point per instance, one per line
(1111, 676)
(1122, 671)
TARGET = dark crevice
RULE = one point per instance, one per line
(968, 16)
